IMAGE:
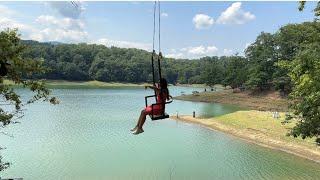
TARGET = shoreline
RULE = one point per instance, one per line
(84, 84)
(90, 84)
(99, 84)
(255, 136)
(269, 101)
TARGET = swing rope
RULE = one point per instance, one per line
(159, 41)
(159, 25)
(158, 57)
(160, 54)
(154, 23)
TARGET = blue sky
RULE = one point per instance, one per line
(188, 29)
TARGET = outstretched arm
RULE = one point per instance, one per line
(153, 87)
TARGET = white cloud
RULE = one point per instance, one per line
(68, 9)
(235, 15)
(197, 52)
(203, 51)
(65, 29)
(60, 29)
(212, 49)
(6, 20)
(63, 35)
(123, 44)
(227, 52)
(47, 28)
(65, 23)
(24, 29)
(164, 14)
(175, 55)
(247, 45)
(202, 21)
(193, 52)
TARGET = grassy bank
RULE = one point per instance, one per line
(260, 128)
(269, 101)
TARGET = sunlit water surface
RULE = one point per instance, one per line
(87, 137)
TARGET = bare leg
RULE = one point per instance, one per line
(142, 119)
(139, 120)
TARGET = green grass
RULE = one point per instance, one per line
(263, 122)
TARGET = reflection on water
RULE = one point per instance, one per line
(87, 137)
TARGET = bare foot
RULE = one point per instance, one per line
(138, 131)
(134, 129)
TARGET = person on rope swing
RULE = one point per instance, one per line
(162, 93)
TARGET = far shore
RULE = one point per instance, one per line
(259, 128)
(100, 84)
(84, 84)
(266, 101)
(89, 84)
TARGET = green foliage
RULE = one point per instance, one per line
(289, 60)
(235, 71)
(300, 54)
(97, 62)
(316, 10)
(301, 5)
(20, 72)
(212, 73)
(261, 55)
(305, 70)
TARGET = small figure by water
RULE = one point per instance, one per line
(275, 115)
(162, 92)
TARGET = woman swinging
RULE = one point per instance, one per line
(162, 93)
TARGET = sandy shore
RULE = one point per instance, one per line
(258, 137)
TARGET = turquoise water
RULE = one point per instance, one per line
(87, 137)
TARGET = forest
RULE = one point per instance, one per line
(262, 66)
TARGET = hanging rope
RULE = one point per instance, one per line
(154, 23)
(159, 24)
(159, 57)
(160, 54)
(153, 40)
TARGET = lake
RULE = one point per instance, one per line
(87, 136)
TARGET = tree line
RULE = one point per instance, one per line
(287, 60)
(259, 69)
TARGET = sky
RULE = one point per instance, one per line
(188, 29)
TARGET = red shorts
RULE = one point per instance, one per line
(157, 110)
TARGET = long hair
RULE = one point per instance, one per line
(164, 87)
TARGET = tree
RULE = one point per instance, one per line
(316, 10)
(20, 72)
(261, 57)
(304, 72)
(305, 96)
(235, 71)
(213, 72)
